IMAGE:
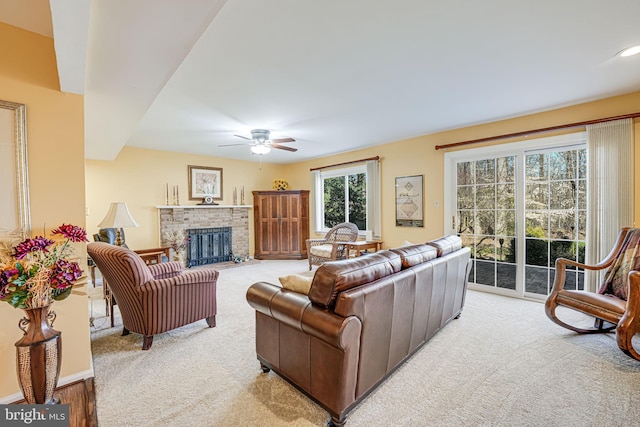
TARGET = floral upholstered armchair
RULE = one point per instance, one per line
(332, 247)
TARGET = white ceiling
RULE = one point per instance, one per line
(336, 75)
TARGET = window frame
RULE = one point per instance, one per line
(520, 149)
(319, 196)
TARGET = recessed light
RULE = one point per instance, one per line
(630, 51)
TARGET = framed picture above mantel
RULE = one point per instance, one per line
(205, 181)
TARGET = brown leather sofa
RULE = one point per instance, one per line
(362, 318)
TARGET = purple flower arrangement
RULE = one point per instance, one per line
(38, 270)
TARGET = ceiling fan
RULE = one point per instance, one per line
(261, 144)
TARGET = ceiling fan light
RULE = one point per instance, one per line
(630, 51)
(260, 149)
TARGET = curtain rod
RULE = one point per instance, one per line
(346, 163)
(549, 129)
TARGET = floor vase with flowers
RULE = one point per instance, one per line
(33, 274)
(39, 355)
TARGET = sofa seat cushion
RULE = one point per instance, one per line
(447, 244)
(415, 254)
(296, 283)
(322, 251)
(333, 277)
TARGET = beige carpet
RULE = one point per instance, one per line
(503, 363)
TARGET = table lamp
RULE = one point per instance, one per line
(118, 217)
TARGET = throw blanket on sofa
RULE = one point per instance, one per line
(615, 279)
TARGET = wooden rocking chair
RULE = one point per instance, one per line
(618, 300)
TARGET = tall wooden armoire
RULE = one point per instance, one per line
(281, 224)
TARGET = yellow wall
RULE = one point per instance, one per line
(55, 140)
(138, 177)
(418, 156)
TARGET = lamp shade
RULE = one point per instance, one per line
(118, 216)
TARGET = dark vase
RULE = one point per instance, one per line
(39, 355)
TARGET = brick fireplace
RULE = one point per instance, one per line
(185, 218)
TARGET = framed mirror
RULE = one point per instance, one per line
(15, 218)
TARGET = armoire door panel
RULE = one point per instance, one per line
(285, 237)
(281, 222)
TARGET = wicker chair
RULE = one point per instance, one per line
(155, 298)
(618, 300)
(332, 246)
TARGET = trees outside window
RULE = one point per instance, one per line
(345, 200)
(519, 207)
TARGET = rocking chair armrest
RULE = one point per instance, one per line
(561, 266)
(607, 262)
(600, 266)
(560, 276)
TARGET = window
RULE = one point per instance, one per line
(348, 194)
(345, 198)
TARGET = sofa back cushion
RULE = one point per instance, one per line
(415, 254)
(447, 244)
(333, 277)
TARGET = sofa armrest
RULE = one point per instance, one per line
(175, 301)
(166, 269)
(296, 310)
(186, 278)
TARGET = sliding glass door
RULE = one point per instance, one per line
(555, 215)
(486, 218)
(519, 207)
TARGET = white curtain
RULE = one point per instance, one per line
(318, 199)
(373, 198)
(610, 198)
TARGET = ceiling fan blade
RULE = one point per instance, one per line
(283, 147)
(243, 137)
(230, 145)
(281, 140)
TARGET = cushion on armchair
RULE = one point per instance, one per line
(323, 251)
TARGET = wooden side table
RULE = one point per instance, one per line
(153, 256)
(362, 246)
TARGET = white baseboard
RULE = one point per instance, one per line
(61, 382)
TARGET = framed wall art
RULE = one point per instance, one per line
(15, 218)
(205, 181)
(409, 201)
